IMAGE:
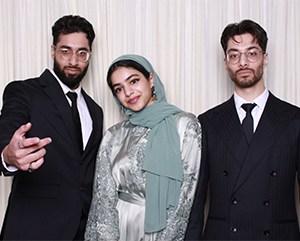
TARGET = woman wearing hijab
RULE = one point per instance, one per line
(147, 166)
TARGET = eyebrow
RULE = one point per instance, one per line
(128, 78)
(233, 49)
(68, 47)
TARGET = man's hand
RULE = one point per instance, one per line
(25, 154)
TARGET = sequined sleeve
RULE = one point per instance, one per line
(190, 138)
(103, 220)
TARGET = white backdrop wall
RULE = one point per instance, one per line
(181, 38)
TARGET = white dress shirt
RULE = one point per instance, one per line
(84, 114)
(256, 112)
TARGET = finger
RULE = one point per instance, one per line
(36, 158)
(20, 133)
(34, 143)
(29, 153)
(36, 164)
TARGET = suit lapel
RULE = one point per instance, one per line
(52, 88)
(226, 121)
(275, 118)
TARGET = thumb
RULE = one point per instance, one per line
(22, 130)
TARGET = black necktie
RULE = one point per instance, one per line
(76, 118)
(248, 121)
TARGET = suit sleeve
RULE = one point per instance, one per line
(15, 112)
(196, 219)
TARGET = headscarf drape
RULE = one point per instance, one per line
(162, 161)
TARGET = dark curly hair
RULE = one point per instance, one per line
(72, 24)
(243, 27)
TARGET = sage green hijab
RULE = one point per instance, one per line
(162, 161)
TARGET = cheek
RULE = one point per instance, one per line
(120, 97)
(83, 66)
(148, 91)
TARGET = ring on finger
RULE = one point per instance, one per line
(20, 145)
(30, 169)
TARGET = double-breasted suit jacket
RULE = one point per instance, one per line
(48, 203)
(252, 187)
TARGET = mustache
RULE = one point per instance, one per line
(72, 67)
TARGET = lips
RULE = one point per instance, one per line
(244, 72)
(133, 100)
(72, 70)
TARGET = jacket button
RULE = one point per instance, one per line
(81, 189)
(225, 173)
(267, 233)
(273, 173)
(266, 202)
(234, 201)
(233, 229)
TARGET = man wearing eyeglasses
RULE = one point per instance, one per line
(251, 152)
(50, 130)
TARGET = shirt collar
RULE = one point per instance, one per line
(65, 88)
(260, 101)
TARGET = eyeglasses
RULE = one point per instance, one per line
(252, 55)
(67, 54)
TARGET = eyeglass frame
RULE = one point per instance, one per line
(240, 54)
(60, 49)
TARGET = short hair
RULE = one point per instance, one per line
(127, 63)
(243, 27)
(72, 24)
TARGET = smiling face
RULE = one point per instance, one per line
(132, 88)
(71, 71)
(245, 74)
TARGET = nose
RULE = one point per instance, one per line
(128, 90)
(73, 60)
(243, 60)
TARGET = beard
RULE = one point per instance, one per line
(72, 81)
(246, 82)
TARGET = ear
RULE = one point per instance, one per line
(151, 79)
(265, 63)
(226, 64)
(52, 51)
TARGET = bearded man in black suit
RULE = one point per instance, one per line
(49, 145)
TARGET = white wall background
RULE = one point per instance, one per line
(181, 38)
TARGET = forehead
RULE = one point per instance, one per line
(241, 42)
(123, 73)
(73, 40)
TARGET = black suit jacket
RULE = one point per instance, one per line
(48, 203)
(251, 187)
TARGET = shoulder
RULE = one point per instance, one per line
(187, 121)
(218, 109)
(281, 104)
(21, 84)
(28, 85)
(185, 117)
(120, 127)
(278, 107)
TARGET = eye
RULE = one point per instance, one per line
(252, 53)
(65, 51)
(233, 55)
(134, 81)
(117, 90)
(82, 53)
